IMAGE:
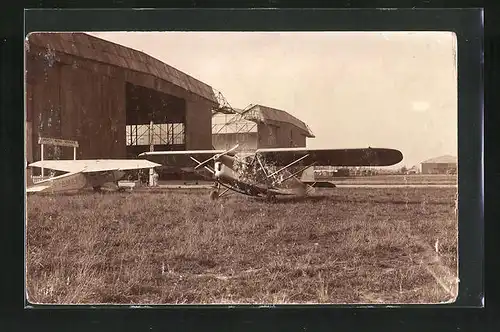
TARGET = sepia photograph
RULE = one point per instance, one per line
(174, 168)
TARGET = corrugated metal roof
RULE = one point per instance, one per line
(447, 159)
(272, 115)
(90, 47)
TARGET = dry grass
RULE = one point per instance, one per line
(341, 246)
(400, 179)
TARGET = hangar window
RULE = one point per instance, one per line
(271, 139)
(157, 134)
(153, 117)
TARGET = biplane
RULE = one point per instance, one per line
(270, 172)
(79, 174)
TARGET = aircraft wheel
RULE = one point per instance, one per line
(214, 195)
(271, 197)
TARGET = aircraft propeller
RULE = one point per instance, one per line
(216, 157)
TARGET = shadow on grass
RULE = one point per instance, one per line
(296, 199)
(346, 199)
(84, 192)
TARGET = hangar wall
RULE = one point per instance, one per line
(72, 97)
(227, 141)
(198, 125)
(258, 127)
(266, 136)
(73, 103)
(286, 135)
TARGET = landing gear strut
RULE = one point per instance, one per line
(214, 195)
(271, 197)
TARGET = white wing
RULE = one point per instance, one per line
(94, 165)
(182, 153)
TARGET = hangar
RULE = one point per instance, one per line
(106, 97)
(441, 165)
(258, 126)
(116, 102)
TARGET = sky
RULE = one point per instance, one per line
(353, 89)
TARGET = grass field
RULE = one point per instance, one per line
(338, 246)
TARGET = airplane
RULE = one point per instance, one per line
(95, 173)
(265, 172)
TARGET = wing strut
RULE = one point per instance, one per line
(216, 157)
(199, 163)
(261, 165)
(284, 168)
(291, 176)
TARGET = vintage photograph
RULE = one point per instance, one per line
(241, 167)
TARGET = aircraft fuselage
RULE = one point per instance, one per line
(241, 176)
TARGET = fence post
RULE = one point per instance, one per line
(41, 157)
(151, 149)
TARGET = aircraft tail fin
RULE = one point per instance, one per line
(65, 182)
(37, 188)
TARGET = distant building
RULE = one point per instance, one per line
(440, 165)
(258, 127)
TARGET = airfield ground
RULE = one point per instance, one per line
(343, 245)
(420, 179)
(376, 180)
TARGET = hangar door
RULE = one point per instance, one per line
(153, 119)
